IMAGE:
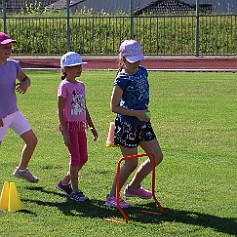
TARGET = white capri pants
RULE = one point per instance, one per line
(17, 122)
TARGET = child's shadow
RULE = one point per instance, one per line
(219, 224)
(94, 208)
(141, 213)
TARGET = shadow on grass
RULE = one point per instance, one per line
(94, 208)
(148, 213)
(219, 224)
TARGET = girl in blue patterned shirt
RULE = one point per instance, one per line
(129, 100)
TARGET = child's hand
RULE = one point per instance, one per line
(22, 87)
(1, 123)
(142, 116)
(95, 134)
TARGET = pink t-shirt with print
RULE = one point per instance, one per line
(75, 105)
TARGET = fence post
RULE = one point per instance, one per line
(132, 20)
(68, 25)
(197, 28)
(4, 15)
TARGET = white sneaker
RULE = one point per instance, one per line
(26, 174)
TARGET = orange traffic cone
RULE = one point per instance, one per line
(10, 200)
(110, 137)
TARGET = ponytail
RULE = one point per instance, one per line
(120, 63)
(64, 75)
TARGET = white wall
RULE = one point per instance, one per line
(218, 5)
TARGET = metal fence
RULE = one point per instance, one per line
(159, 35)
(193, 34)
(102, 35)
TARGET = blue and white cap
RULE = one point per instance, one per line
(71, 59)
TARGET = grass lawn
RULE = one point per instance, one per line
(195, 119)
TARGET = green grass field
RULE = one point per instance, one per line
(194, 117)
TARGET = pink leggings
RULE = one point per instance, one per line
(78, 148)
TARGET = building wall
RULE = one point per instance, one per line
(219, 6)
(111, 6)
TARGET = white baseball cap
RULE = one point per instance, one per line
(131, 50)
(71, 59)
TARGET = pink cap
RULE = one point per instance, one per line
(131, 50)
(5, 39)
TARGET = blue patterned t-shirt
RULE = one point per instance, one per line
(135, 93)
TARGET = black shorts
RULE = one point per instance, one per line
(129, 135)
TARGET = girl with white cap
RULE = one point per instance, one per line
(74, 119)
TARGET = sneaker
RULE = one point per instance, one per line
(111, 202)
(26, 174)
(66, 188)
(137, 192)
(78, 196)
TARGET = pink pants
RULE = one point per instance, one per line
(78, 148)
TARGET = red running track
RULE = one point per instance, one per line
(229, 64)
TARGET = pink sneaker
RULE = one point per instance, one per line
(138, 192)
(111, 202)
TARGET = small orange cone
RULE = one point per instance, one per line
(14, 200)
(110, 137)
(4, 197)
(9, 200)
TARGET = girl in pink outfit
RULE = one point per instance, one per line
(74, 119)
